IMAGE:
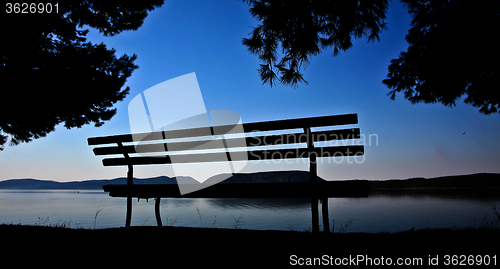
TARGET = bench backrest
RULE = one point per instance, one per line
(286, 143)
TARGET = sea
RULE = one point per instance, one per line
(379, 212)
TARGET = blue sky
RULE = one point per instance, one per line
(205, 37)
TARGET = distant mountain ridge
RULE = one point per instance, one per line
(474, 181)
(260, 177)
(479, 180)
(29, 183)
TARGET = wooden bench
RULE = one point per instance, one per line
(292, 139)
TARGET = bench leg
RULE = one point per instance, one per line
(157, 211)
(130, 182)
(129, 212)
(324, 211)
(315, 215)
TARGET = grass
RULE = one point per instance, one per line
(171, 222)
(45, 239)
(45, 222)
(97, 213)
(204, 225)
(238, 222)
(343, 227)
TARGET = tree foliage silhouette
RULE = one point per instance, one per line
(452, 45)
(452, 52)
(301, 29)
(50, 74)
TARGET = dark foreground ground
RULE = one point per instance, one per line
(171, 247)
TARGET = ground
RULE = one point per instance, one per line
(238, 247)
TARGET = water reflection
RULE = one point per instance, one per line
(445, 194)
(268, 203)
(381, 211)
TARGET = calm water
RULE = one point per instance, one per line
(377, 213)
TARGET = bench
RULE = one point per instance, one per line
(291, 139)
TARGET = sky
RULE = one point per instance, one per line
(401, 140)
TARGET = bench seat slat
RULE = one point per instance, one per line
(284, 139)
(247, 127)
(246, 190)
(255, 155)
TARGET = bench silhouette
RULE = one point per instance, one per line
(288, 142)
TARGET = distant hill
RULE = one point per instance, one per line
(260, 177)
(30, 183)
(481, 180)
(475, 181)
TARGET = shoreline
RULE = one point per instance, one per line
(471, 181)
